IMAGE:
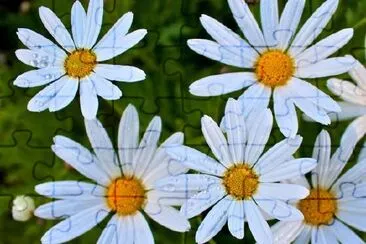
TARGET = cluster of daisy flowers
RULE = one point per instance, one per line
(171, 183)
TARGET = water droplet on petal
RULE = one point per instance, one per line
(43, 64)
(34, 63)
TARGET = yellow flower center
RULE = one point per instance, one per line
(80, 63)
(240, 181)
(274, 68)
(126, 196)
(319, 207)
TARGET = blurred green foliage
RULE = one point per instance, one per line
(25, 137)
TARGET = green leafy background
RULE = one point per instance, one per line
(25, 138)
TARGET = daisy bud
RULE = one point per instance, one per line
(23, 207)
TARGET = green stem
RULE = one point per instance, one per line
(184, 238)
(360, 24)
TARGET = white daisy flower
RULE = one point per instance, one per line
(354, 96)
(332, 202)
(124, 185)
(278, 60)
(77, 61)
(242, 185)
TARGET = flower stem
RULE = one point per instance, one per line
(359, 24)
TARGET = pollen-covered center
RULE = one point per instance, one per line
(274, 68)
(126, 196)
(80, 63)
(319, 207)
(240, 181)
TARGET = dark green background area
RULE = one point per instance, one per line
(25, 137)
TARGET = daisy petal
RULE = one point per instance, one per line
(56, 28)
(313, 26)
(306, 90)
(236, 219)
(285, 113)
(70, 190)
(257, 225)
(230, 55)
(362, 155)
(220, 33)
(323, 234)
(196, 160)
(269, 17)
(277, 155)
(247, 23)
(118, 230)
(118, 31)
(214, 221)
(128, 137)
(80, 159)
(281, 191)
(120, 72)
(42, 99)
(302, 181)
(142, 232)
(147, 147)
(289, 21)
(202, 201)
(228, 39)
(88, 99)
(353, 219)
(76, 225)
(311, 110)
(355, 174)
(326, 67)
(306, 105)
(162, 165)
(167, 216)
(38, 77)
(358, 74)
(290, 169)
(340, 158)
(351, 196)
(349, 111)
(347, 91)
(168, 198)
(324, 48)
(286, 232)
(106, 51)
(256, 97)
(344, 234)
(111, 232)
(93, 23)
(187, 182)
(321, 154)
(65, 95)
(65, 208)
(279, 209)
(304, 236)
(103, 147)
(39, 59)
(35, 41)
(105, 88)
(221, 84)
(216, 140)
(234, 126)
(78, 19)
(258, 133)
